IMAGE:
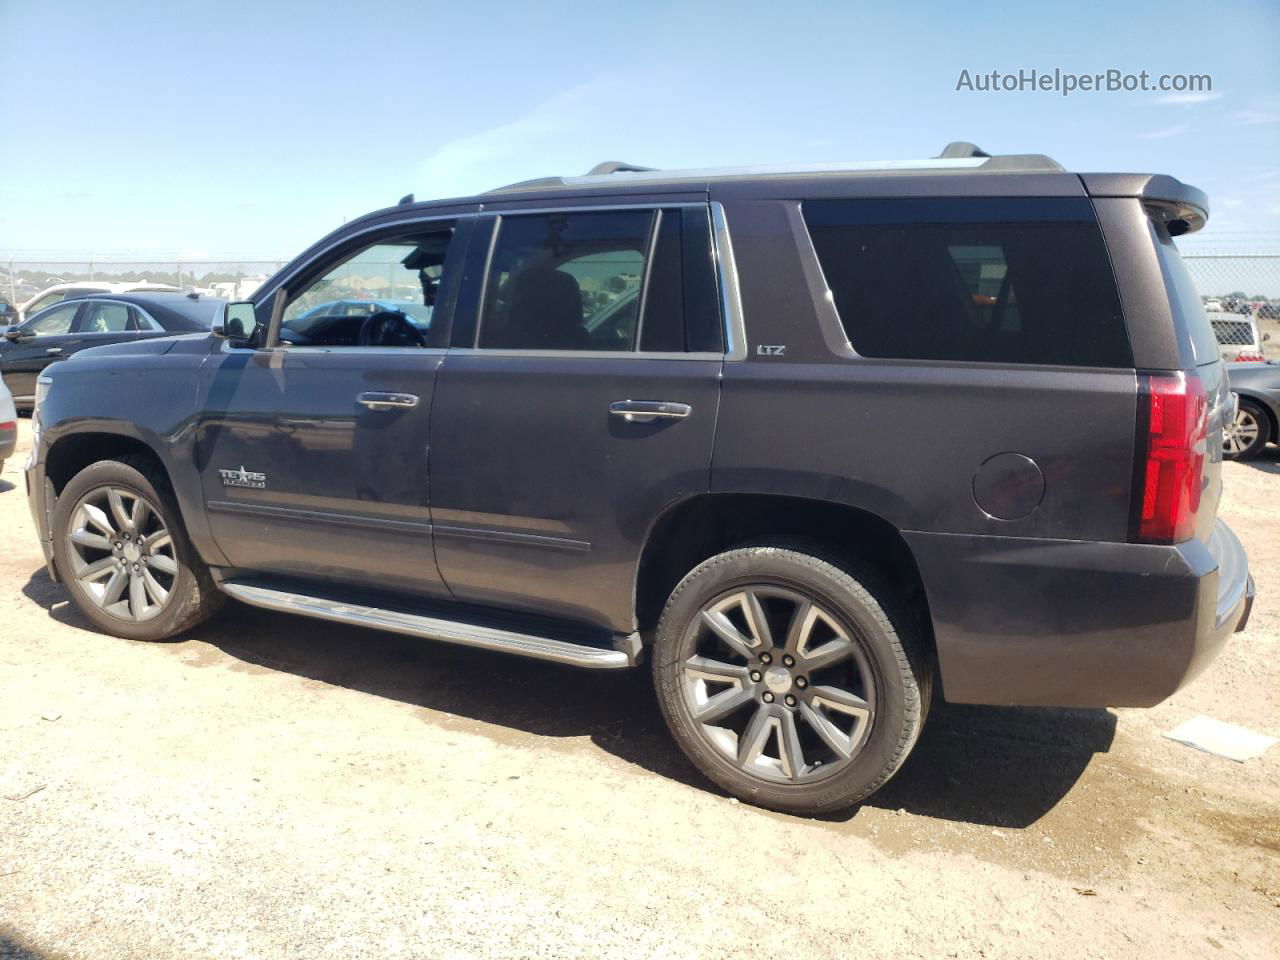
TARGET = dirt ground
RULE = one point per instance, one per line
(278, 787)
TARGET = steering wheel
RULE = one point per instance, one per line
(389, 328)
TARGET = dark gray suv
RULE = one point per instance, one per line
(816, 441)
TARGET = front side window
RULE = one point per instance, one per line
(1001, 281)
(382, 296)
(611, 280)
(105, 318)
(53, 322)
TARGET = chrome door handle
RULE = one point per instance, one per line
(387, 401)
(52, 349)
(647, 411)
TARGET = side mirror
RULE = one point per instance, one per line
(16, 333)
(237, 322)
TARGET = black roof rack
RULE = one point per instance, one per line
(961, 148)
(617, 166)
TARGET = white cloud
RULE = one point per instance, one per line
(1187, 98)
(551, 138)
(1166, 132)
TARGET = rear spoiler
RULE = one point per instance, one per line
(1181, 208)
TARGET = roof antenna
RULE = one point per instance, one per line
(961, 149)
(407, 198)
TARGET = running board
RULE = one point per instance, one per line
(433, 628)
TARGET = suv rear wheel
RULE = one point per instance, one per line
(788, 680)
(121, 550)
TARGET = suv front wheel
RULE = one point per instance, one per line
(787, 680)
(121, 550)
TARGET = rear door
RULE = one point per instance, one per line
(581, 405)
(46, 337)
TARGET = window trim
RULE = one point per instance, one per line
(724, 268)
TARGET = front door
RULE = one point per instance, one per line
(583, 405)
(46, 337)
(313, 450)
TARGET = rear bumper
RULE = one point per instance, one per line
(1079, 624)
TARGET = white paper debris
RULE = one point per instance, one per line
(1221, 739)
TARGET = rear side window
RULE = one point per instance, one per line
(1007, 280)
(608, 280)
(104, 318)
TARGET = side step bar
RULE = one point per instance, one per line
(433, 628)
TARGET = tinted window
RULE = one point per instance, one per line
(996, 280)
(681, 307)
(566, 281)
(54, 322)
(104, 318)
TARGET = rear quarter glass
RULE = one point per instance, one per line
(999, 280)
(1185, 298)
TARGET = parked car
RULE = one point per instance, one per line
(8, 313)
(803, 497)
(79, 323)
(1239, 339)
(1257, 418)
(63, 291)
(8, 423)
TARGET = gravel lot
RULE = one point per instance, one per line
(278, 787)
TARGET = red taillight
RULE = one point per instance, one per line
(1247, 357)
(8, 426)
(1174, 425)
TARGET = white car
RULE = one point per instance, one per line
(1239, 340)
(60, 291)
(8, 424)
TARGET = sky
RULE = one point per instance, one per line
(240, 130)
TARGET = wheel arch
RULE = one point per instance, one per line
(700, 527)
(72, 452)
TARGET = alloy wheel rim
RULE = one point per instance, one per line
(1241, 433)
(122, 554)
(777, 685)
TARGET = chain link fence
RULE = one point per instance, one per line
(1245, 284)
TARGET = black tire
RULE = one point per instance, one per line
(192, 596)
(889, 635)
(1250, 409)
